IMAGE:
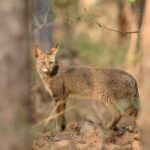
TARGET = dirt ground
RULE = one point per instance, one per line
(86, 136)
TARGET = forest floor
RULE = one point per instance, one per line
(87, 136)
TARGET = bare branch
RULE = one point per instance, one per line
(114, 30)
(45, 25)
(52, 116)
(35, 19)
(45, 19)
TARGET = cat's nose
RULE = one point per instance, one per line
(45, 70)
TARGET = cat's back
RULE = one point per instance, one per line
(114, 81)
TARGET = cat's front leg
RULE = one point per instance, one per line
(60, 115)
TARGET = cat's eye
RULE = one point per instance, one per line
(50, 62)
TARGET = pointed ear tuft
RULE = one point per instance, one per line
(53, 52)
(38, 51)
(57, 45)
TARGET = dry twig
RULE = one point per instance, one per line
(52, 116)
(114, 30)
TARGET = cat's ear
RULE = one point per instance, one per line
(38, 51)
(53, 52)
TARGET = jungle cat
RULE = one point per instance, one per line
(115, 88)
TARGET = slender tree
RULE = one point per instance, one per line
(42, 25)
(14, 75)
(144, 121)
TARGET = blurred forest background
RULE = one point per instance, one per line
(81, 28)
(96, 33)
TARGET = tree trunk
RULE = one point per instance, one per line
(42, 15)
(127, 22)
(144, 121)
(14, 75)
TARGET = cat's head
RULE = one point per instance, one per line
(45, 61)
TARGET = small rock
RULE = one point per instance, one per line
(63, 143)
(87, 128)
